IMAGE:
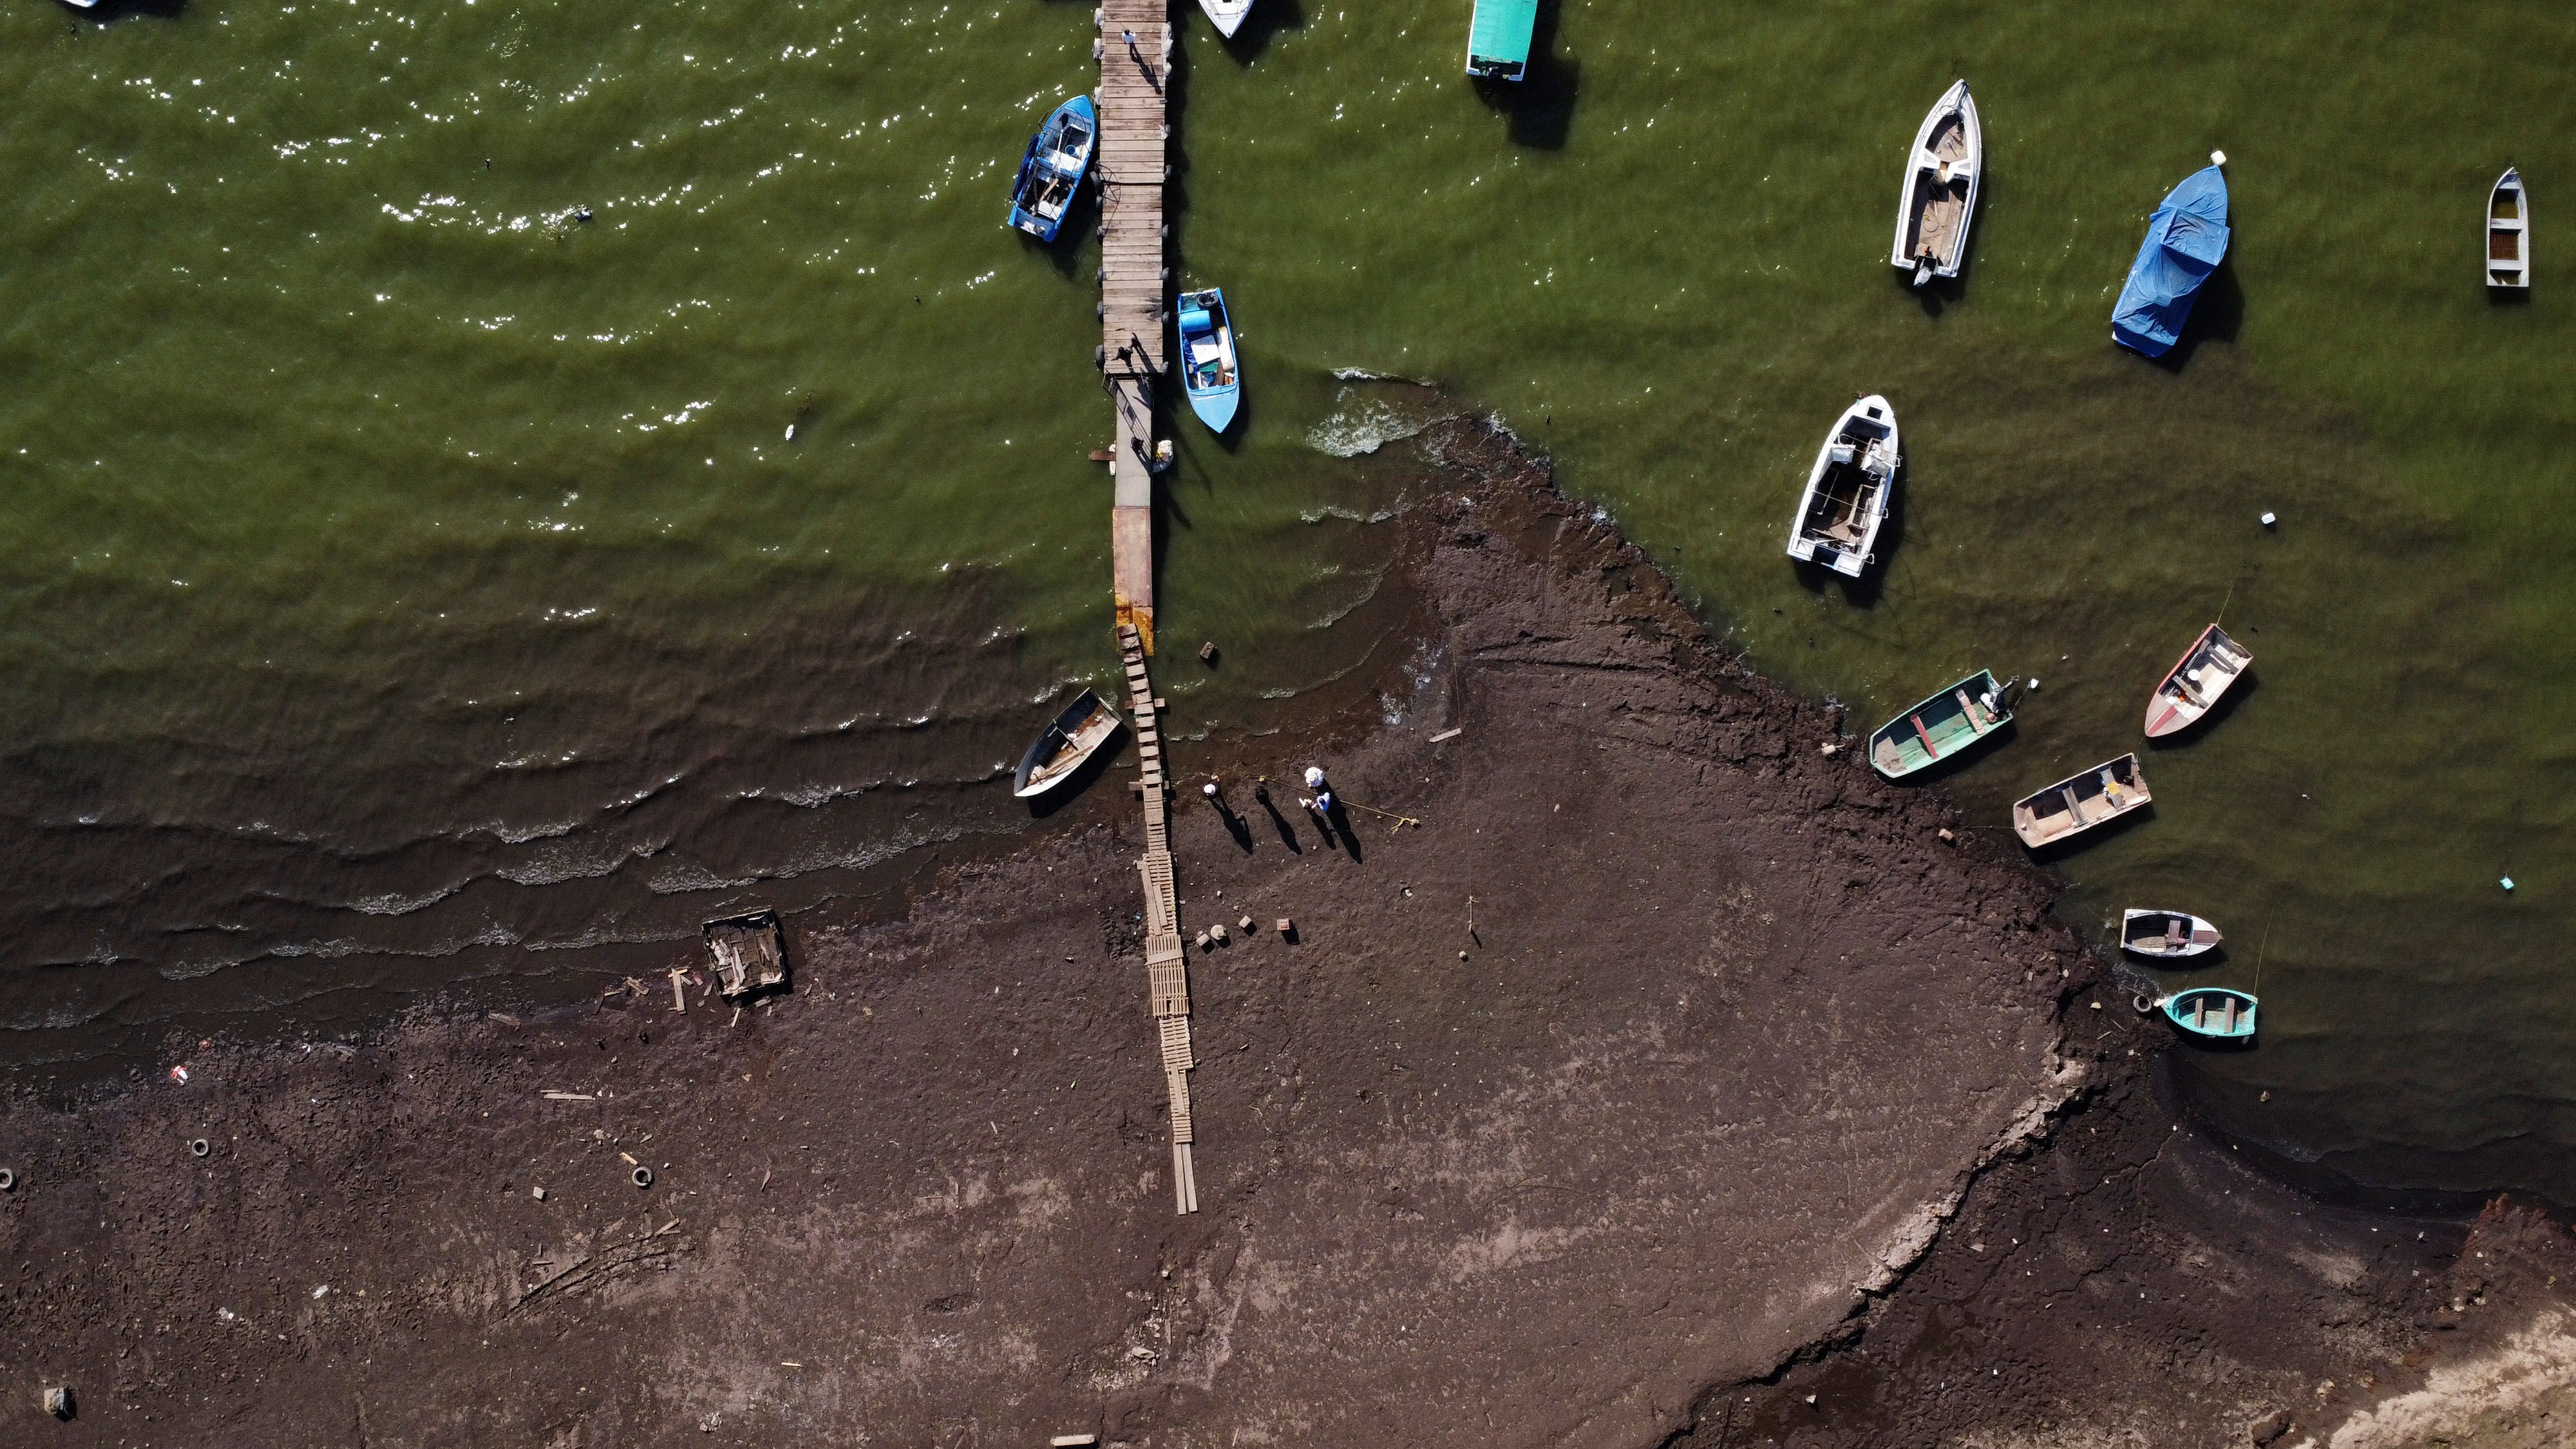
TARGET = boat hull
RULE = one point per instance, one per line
(1226, 15)
(1938, 202)
(2081, 801)
(1211, 373)
(2206, 671)
(2509, 233)
(1051, 170)
(1060, 750)
(1941, 727)
(2167, 935)
(2215, 1013)
(2186, 240)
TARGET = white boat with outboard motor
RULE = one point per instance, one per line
(1940, 195)
(1847, 490)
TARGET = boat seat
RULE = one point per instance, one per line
(1840, 453)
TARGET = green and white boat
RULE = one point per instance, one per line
(1944, 725)
(2216, 1012)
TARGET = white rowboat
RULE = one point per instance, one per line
(2509, 233)
(2167, 935)
(1940, 195)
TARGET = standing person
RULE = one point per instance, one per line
(1322, 801)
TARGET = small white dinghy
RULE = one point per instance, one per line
(2203, 673)
(1228, 14)
(1847, 490)
(2166, 935)
(1940, 195)
(1060, 749)
(2509, 233)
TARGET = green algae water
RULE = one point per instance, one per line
(492, 484)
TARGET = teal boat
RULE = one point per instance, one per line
(2217, 1012)
(1498, 40)
(1947, 724)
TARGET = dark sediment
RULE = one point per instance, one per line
(1748, 1086)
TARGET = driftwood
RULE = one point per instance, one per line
(656, 1249)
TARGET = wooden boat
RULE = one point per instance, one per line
(2216, 1012)
(2167, 935)
(2186, 240)
(1051, 172)
(748, 952)
(1940, 194)
(1847, 490)
(2206, 669)
(2081, 801)
(2509, 233)
(1208, 370)
(1940, 727)
(1071, 738)
(1226, 14)
(1498, 39)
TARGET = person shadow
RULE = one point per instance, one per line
(1335, 826)
(1235, 824)
(1287, 832)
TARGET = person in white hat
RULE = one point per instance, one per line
(1322, 801)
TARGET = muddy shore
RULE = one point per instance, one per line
(1751, 1107)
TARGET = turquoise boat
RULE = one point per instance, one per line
(1947, 724)
(1498, 40)
(2217, 1012)
(1208, 369)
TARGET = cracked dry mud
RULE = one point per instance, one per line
(1733, 1034)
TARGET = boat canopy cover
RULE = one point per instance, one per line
(1501, 31)
(2186, 239)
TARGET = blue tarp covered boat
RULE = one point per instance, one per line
(1052, 170)
(1498, 39)
(2185, 240)
(1207, 358)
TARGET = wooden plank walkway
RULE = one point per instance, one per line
(1167, 979)
(1134, 129)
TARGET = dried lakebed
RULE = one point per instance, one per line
(1745, 1085)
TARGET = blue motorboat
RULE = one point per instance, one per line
(1052, 170)
(1207, 358)
(2185, 240)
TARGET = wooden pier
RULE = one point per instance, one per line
(1167, 979)
(1134, 283)
(1135, 54)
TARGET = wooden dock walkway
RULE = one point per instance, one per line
(1167, 979)
(1134, 282)
(1135, 55)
